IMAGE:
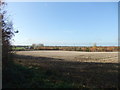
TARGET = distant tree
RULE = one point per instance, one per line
(33, 46)
(87, 49)
(40, 44)
(6, 27)
(94, 45)
(37, 46)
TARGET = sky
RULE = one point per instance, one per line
(65, 23)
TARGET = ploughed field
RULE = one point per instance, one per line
(83, 69)
(103, 57)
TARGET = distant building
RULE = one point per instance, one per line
(94, 44)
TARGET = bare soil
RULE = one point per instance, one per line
(102, 57)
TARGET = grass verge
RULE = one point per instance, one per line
(18, 76)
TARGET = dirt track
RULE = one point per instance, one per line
(102, 57)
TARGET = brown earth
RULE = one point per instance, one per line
(102, 57)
